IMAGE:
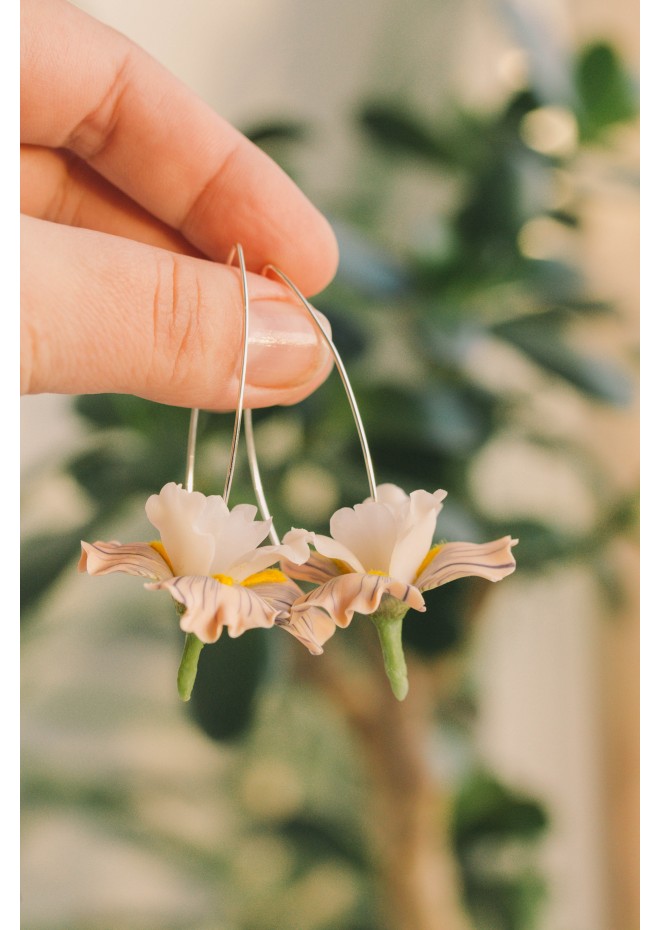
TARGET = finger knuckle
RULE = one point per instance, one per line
(178, 317)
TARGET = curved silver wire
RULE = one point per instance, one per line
(237, 250)
(257, 483)
(371, 478)
(192, 445)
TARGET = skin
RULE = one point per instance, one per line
(133, 193)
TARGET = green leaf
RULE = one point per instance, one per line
(123, 464)
(112, 472)
(319, 838)
(493, 829)
(266, 133)
(485, 807)
(399, 132)
(443, 626)
(605, 90)
(540, 545)
(123, 410)
(541, 338)
(505, 904)
(43, 559)
(450, 418)
(229, 675)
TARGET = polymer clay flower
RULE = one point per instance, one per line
(210, 561)
(379, 560)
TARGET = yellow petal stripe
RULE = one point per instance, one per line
(343, 567)
(162, 552)
(374, 571)
(223, 579)
(428, 558)
(269, 576)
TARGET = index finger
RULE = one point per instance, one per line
(89, 89)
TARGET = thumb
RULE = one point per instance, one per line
(106, 314)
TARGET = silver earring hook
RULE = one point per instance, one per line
(237, 250)
(249, 432)
(257, 483)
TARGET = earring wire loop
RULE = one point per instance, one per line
(255, 474)
(192, 444)
(342, 374)
(237, 250)
(257, 483)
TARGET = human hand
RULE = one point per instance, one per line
(128, 179)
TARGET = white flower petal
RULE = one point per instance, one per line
(210, 606)
(422, 502)
(299, 539)
(175, 514)
(253, 562)
(332, 549)
(312, 627)
(367, 530)
(265, 556)
(416, 534)
(492, 560)
(389, 494)
(392, 535)
(102, 558)
(295, 546)
(236, 533)
(357, 593)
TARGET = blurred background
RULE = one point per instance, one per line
(479, 161)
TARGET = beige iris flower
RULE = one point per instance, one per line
(384, 548)
(379, 560)
(210, 560)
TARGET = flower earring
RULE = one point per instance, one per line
(379, 558)
(377, 561)
(210, 558)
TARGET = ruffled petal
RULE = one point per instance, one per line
(210, 606)
(369, 531)
(175, 514)
(492, 560)
(236, 533)
(334, 550)
(102, 558)
(296, 551)
(422, 502)
(202, 536)
(416, 534)
(279, 594)
(390, 494)
(317, 569)
(357, 593)
(312, 627)
(295, 546)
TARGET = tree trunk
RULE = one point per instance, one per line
(419, 887)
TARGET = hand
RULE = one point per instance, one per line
(130, 184)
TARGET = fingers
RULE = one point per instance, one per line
(87, 88)
(60, 187)
(104, 314)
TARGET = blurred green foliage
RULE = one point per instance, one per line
(407, 319)
(494, 832)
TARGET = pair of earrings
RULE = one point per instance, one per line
(378, 560)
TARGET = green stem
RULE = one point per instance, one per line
(188, 667)
(389, 633)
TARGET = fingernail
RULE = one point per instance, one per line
(286, 348)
